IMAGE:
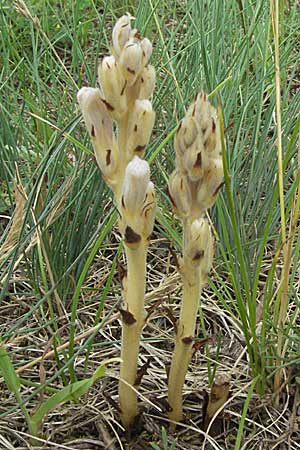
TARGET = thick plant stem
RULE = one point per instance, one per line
(133, 321)
(184, 336)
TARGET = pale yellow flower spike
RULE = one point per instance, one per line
(193, 187)
(126, 86)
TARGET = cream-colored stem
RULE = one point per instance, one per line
(184, 337)
(134, 302)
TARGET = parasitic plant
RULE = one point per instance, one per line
(126, 85)
(193, 188)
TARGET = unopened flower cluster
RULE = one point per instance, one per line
(197, 179)
(126, 82)
(195, 183)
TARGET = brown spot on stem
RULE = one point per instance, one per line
(198, 162)
(203, 130)
(123, 88)
(198, 255)
(139, 148)
(213, 125)
(122, 202)
(135, 128)
(187, 340)
(108, 105)
(127, 317)
(131, 236)
(93, 131)
(108, 157)
(218, 188)
(130, 70)
(142, 80)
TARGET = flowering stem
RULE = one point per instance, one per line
(133, 321)
(191, 276)
(127, 82)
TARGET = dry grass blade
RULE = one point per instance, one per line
(16, 224)
(56, 209)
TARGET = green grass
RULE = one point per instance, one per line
(68, 217)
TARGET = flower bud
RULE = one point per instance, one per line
(206, 116)
(136, 180)
(120, 34)
(198, 232)
(208, 256)
(99, 125)
(147, 50)
(180, 194)
(113, 86)
(197, 140)
(149, 210)
(197, 244)
(188, 155)
(189, 131)
(139, 128)
(146, 82)
(130, 61)
(211, 184)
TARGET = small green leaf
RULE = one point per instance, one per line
(72, 392)
(68, 393)
(100, 372)
(156, 447)
(164, 438)
(9, 374)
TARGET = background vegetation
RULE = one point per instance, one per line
(59, 247)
